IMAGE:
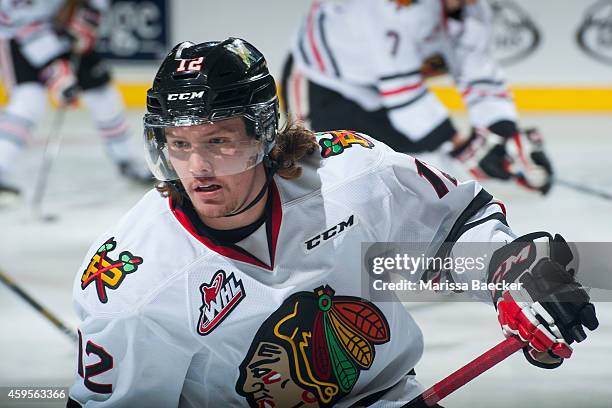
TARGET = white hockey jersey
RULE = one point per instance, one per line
(169, 317)
(371, 52)
(31, 23)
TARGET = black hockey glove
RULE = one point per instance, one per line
(551, 308)
(519, 158)
(60, 79)
(433, 66)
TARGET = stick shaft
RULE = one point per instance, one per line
(584, 189)
(467, 373)
(38, 307)
(51, 151)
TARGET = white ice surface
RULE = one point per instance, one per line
(88, 196)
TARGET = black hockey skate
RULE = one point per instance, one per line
(9, 194)
(136, 173)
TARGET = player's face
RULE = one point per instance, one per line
(198, 153)
(268, 381)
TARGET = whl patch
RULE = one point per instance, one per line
(108, 273)
(219, 298)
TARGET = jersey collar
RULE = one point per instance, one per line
(273, 220)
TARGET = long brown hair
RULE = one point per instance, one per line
(293, 142)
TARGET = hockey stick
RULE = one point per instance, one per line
(38, 307)
(51, 151)
(467, 373)
(584, 189)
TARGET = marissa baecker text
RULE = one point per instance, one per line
(407, 285)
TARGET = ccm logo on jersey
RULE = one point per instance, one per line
(219, 298)
(329, 233)
(185, 96)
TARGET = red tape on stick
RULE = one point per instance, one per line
(467, 373)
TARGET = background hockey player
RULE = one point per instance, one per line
(217, 292)
(48, 46)
(361, 65)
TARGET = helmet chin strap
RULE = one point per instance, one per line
(270, 167)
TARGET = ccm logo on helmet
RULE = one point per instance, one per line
(185, 96)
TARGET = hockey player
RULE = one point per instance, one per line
(362, 64)
(239, 284)
(36, 56)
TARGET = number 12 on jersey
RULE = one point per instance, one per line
(104, 364)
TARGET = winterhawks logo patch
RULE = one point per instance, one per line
(311, 351)
(107, 272)
(219, 298)
(340, 140)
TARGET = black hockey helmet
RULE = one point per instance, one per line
(209, 82)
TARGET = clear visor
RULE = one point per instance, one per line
(192, 147)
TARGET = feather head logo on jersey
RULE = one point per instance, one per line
(310, 351)
(107, 272)
(219, 298)
(338, 141)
